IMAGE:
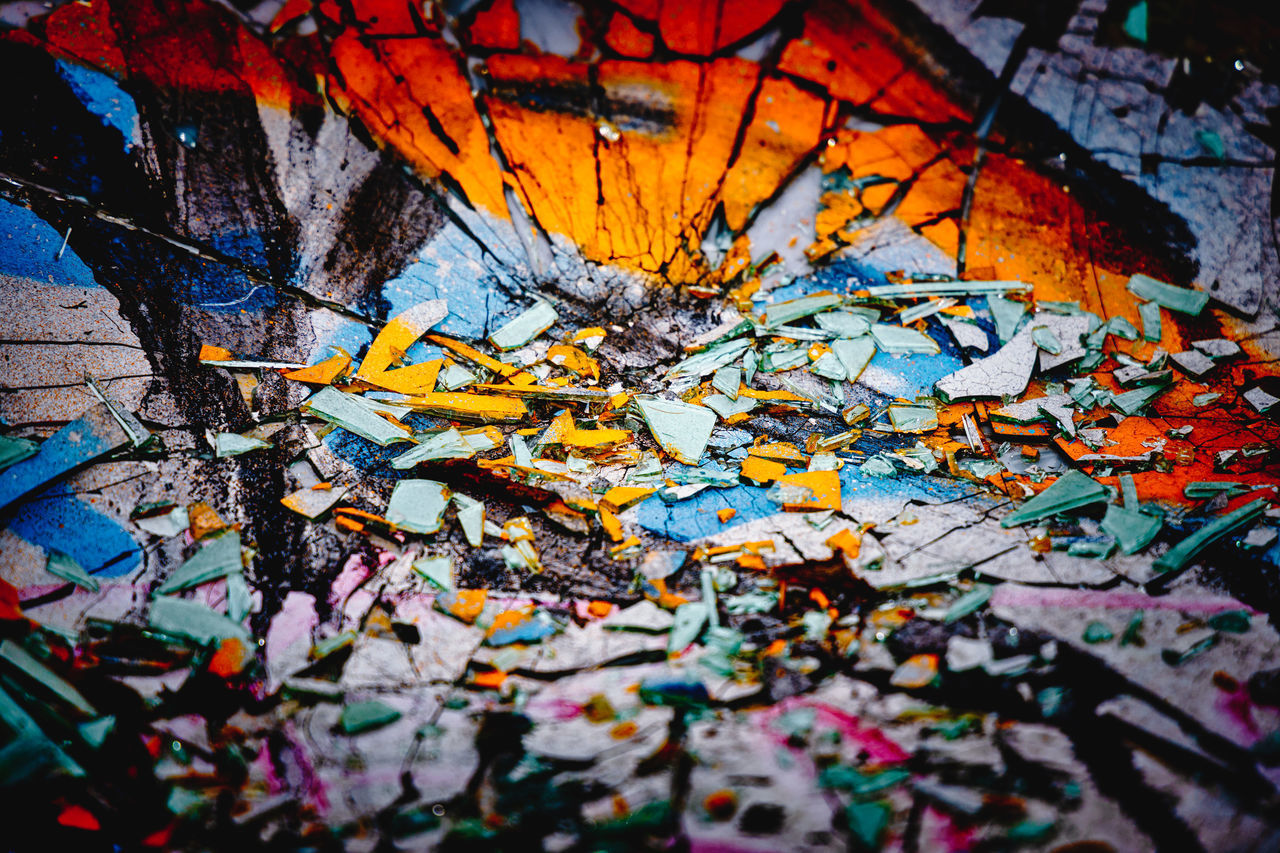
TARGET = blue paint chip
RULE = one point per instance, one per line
(59, 520)
(29, 249)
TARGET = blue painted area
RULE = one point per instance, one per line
(29, 248)
(908, 375)
(215, 287)
(58, 519)
(696, 517)
(102, 96)
(454, 267)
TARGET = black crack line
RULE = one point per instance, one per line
(22, 189)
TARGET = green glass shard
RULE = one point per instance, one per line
(1132, 530)
(449, 444)
(1170, 296)
(361, 717)
(525, 327)
(438, 570)
(233, 444)
(843, 324)
(726, 408)
(329, 645)
(785, 359)
(1097, 549)
(29, 754)
(829, 366)
(470, 519)
(1007, 314)
(681, 429)
(1071, 491)
(1129, 489)
(1188, 646)
(21, 662)
(418, 505)
(1132, 402)
(969, 602)
(1122, 328)
(727, 380)
(897, 340)
(913, 418)
(1200, 490)
(690, 618)
(1045, 339)
(161, 519)
(1193, 362)
(1097, 632)
(854, 355)
(239, 599)
(218, 558)
(63, 566)
(1181, 555)
(1149, 312)
(1132, 635)
(1135, 22)
(455, 376)
(710, 360)
(794, 309)
(946, 288)
(907, 316)
(1231, 621)
(750, 362)
(868, 822)
(520, 451)
(94, 733)
(194, 621)
(14, 450)
(1202, 400)
(878, 466)
(342, 409)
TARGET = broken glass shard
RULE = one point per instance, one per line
(1071, 491)
(681, 429)
(217, 559)
(1192, 362)
(1149, 312)
(727, 380)
(897, 340)
(14, 450)
(360, 717)
(233, 444)
(449, 444)
(92, 435)
(343, 409)
(1181, 555)
(786, 312)
(438, 570)
(525, 327)
(418, 505)
(192, 620)
(1008, 314)
(470, 518)
(64, 566)
(1167, 295)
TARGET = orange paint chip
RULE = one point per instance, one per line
(415, 379)
(726, 514)
(203, 520)
(468, 604)
(610, 523)
(476, 407)
(211, 353)
(10, 606)
(492, 679)
(599, 609)
(825, 486)
(231, 658)
(474, 355)
(845, 541)
(751, 561)
(624, 497)
(760, 470)
(779, 451)
(574, 360)
(322, 373)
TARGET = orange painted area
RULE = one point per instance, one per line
(643, 200)
(497, 26)
(701, 27)
(628, 39)
(387, 84)
(825, 486)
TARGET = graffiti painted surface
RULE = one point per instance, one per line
(748, 426)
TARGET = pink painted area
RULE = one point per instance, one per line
(946, 833)
(554, 708)
(875, 743)
(1011, 595)
(354, 573)
(1238, 709)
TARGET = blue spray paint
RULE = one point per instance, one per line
(60, 520)
(102, 96)
(29, 249)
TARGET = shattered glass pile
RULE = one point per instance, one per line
(515, 426)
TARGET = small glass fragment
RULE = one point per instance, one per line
(344, 410)
(525, 327)
(1170, 296)
(913, 418)
(1131, 529)
(1070, 491)
(217, 559)
(915, 672)
(231, 444)
(192, 620)
(1181, 555)
(64, 566)
(1192, 362)
(1188, 646)
(360, 717)
(438, 570)
(418, 505)
(897, 340)
(681, 429)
